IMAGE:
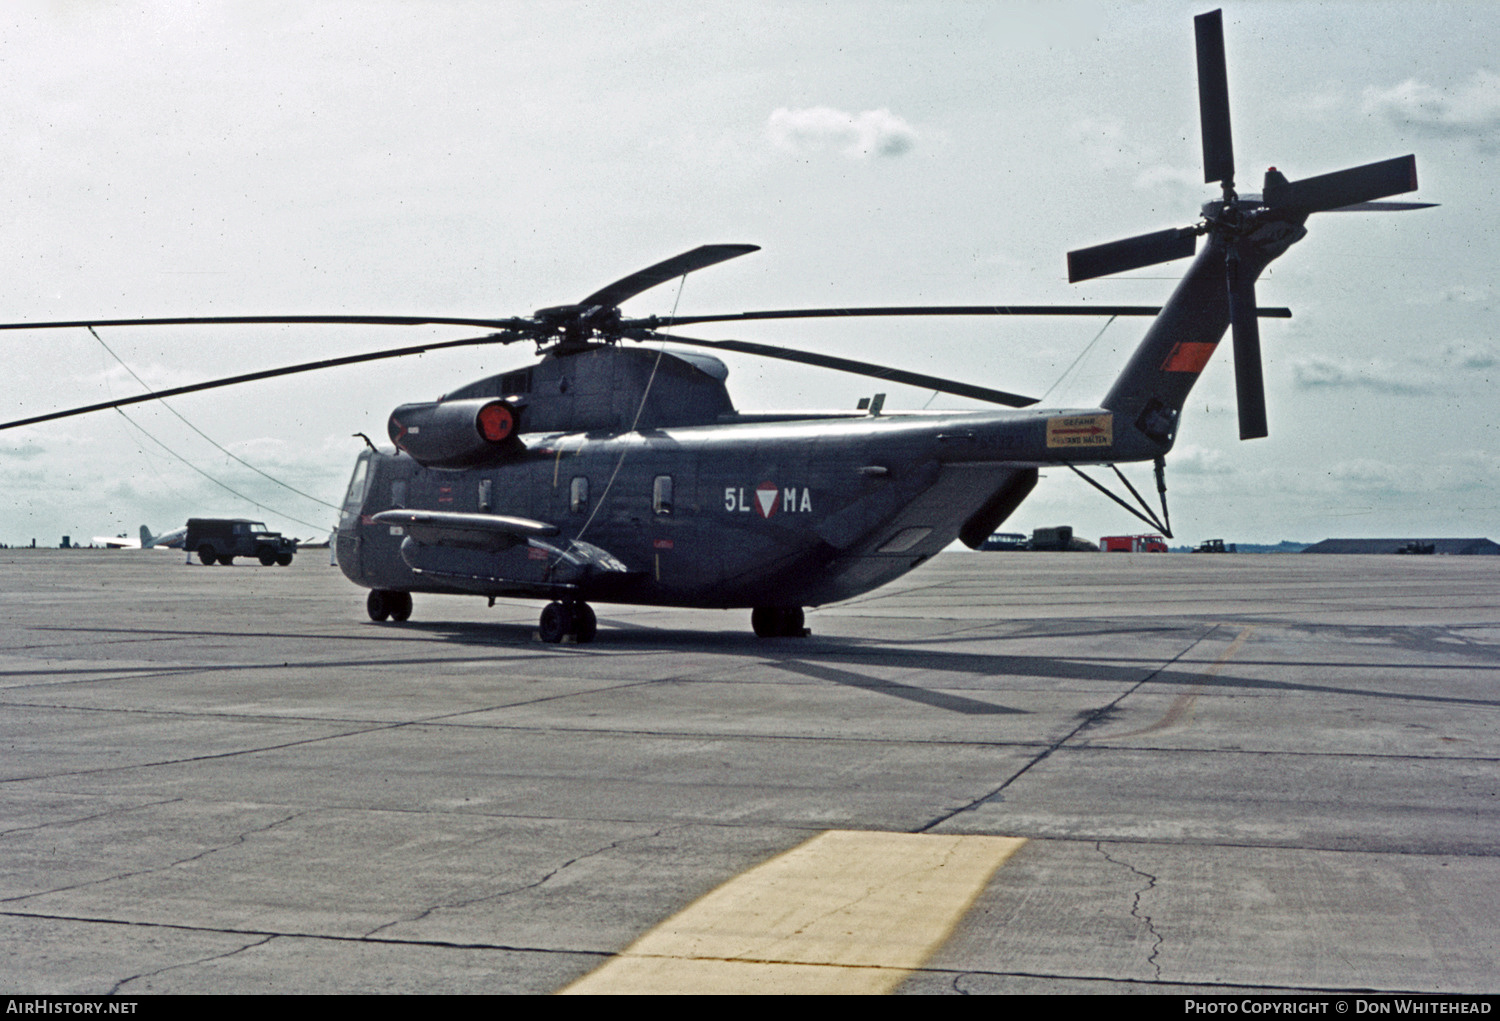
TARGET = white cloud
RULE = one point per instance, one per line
(1107, 146)
(22, 451)
(1326, 373)
(1465, 293)
(1471, 111)
(1193, 460)
(1474, 471)
(858, 136)
(1469, 355)
(1366, 474)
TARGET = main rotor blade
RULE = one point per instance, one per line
(1345, 187)
(1213, 99)
(499, 324)
(250, 377)
(1131, 253)
(643, 280)
(1249, 382)
(918, 379)
(654, 322)
(899, 310)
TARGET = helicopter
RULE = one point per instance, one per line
(610, 473)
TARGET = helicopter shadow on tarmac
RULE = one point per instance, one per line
(851, 662)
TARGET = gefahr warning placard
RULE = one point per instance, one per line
(1080, 431)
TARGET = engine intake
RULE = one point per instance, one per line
(457, 434)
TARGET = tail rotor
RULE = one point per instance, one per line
(1249, 230)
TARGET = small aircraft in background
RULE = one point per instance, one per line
(167, 540)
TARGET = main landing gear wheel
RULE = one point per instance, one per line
(778, 622)
(563, 620)
(385, 603)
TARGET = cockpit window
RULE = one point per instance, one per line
(354, 498)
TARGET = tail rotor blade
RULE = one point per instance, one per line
(1344, 187)
(1213, 99)
(1381, 207)
(1131, 253)
(1249, 382)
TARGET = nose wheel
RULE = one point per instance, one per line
(561, 621)
(778, 622)
(383, 604)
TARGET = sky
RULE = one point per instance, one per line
(177, 158)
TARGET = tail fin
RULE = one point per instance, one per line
(147, 539)
(1148, 397)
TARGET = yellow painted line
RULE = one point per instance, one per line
(846, 912)
(1183, 704)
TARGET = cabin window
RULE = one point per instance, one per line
(661, 494)
(486, 493)
(398, 492)
(578, 497)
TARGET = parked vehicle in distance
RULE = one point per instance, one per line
(1215, 546)
(1005, 541)
(1152, 543)
(220, 540)
(1056, 540)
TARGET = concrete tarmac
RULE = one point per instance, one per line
(1237, 773)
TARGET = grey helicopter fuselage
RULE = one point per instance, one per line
(732, 511)
(632, 478)
(737, 511)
